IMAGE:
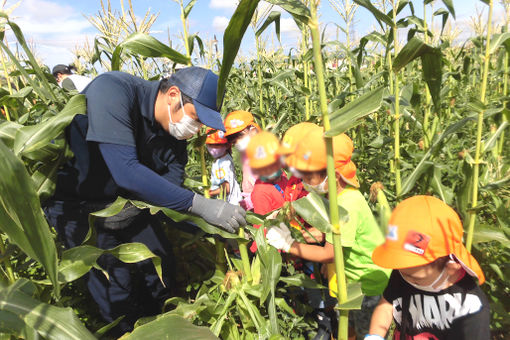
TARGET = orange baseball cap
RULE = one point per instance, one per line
(217, 137)
(262, 150)
(310, 155)
(237, 121)
(421, 230)
(293, 135)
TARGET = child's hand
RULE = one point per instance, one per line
(280, 237)
(313, 235)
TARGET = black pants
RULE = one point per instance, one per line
(132, 290)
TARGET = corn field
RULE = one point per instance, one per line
(427, 114)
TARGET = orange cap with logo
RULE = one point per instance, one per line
(421, 230)
(262, 150)
(293, 135)
(217, 137)
(310, 155)
(237, 121)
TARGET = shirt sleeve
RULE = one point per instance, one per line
(138, 179)
(109, 106)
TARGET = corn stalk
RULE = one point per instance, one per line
(477, 161)
(396, 92)
(343, 324)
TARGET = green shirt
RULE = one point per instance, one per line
(360, 235)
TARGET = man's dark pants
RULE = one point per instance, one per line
(133, 290)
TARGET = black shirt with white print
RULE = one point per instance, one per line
(455, 313)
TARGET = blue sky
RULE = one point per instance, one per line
(55, 27)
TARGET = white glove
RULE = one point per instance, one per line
(280, 237)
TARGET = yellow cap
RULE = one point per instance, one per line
(293, 135)
(262, 150)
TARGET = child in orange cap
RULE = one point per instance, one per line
(240, 126)
(360, 235)
(223, 178)
(432, 292)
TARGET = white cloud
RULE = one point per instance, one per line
(224, 4)
(288, 25)
(220, 23)
(55, 29)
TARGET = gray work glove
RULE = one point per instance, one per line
(220, 213)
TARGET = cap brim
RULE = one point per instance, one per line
(208, 116)
(395, 258)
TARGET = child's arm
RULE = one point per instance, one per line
(381, 318)
(281, 238)
(224, 186)
(313, 252)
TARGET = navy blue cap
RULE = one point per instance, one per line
(201, 85)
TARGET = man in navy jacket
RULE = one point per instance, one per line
(132, 143)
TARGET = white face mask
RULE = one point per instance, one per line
(186, 128)
(430, 288)
(319, 188)
(242, 143)
(217, 152)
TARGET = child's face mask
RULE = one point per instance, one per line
(321, 188)
(272, 177)
(430, 288)
(217, 151)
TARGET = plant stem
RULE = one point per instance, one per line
(505, 103)
(427, 136)
(221, 260)
(333, 205)
(474, 199)
(259, 78)
(243, 250)
(306, 69)
(8, 267)
(7, 79)
(396, 122)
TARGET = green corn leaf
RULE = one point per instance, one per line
(497, 40)
(432, 65)
(301, 280)
(449, 6)
(349, 115)
(176, 216)
(147, 46)
(491, 142)
(486, 233)
(274, 16)
(354, 297)
(414, 48)
(314, 209)
(34, 137)
(380, 16)
(21, 216)
(8, 132)
(171, 327)
(232, 41)
(45, 178)
(425, 163)
(49, 321)
(188, 8)
(296, 8)
(77, 261)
